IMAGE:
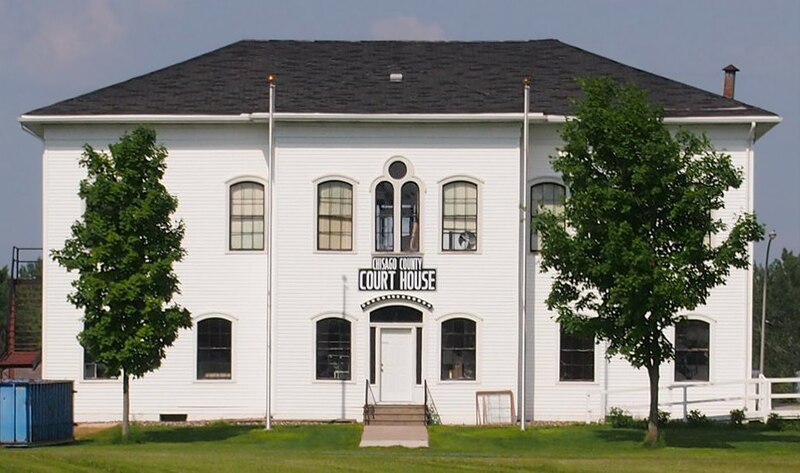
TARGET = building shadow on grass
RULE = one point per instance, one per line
(721, 438)
(185, 434)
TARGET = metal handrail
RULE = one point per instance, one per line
(369, 408)
(431, 413)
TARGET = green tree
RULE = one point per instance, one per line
(123, 250)
(782, 357)
(635, 254)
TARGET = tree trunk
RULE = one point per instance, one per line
(652, 420)
(126, 426)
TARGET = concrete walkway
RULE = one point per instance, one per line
(409, 436)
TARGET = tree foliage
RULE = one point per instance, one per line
(123, 249)
(634, 256)
(782, 357)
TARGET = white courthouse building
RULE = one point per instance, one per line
(376, 243)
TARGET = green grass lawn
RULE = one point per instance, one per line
(223, 447)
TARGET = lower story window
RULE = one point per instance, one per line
(214, 349)
(333, 348)
(691, 350)
(93, 369)
(458, 349)
(576, 360)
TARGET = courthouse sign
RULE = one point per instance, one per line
(396, 273)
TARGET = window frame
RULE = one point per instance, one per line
(232, 349)
(443, 184)
(318, 186)
(96, 378)
(315, 348)
(397, 210)
(561, 350)
(709, 340)
(230, 185)
(535, 183)
(476, 349)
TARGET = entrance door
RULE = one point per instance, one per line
(397, 364)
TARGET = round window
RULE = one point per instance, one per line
(398, 170)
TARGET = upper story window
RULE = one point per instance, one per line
(247, 216)
(335, 216)
(397, 226)
(692, 352)
(545, 197)
(576, 358)
(93, 369)
(460, 216)
(214, 349)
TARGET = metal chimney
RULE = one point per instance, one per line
(730, 81)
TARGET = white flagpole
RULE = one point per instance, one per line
(271, 184)
(524, 256)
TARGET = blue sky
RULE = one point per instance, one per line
(53, 50)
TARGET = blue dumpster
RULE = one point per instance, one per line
(35, 412)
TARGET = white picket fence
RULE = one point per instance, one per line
(713, 399)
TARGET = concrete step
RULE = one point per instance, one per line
(396, 414)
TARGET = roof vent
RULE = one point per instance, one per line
(396, 77)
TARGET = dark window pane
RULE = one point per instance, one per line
(396, 314)
(692, 353)
(333, 349)
(458, 349)
(419, 355)
(576, 361)
(409, 218)
(214, 349)
(398, 170)
(384, 217)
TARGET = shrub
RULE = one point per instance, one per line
(695, 418)
(663, 418)
(620, 419)
(774, 422)
(737, 417)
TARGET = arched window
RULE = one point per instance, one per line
(458, 349)
(545, 197)
(214, 349)
(409, 218)
(333, 348)
(389, 236)
(335, 216)
(576, 360)
(692, 352)
(247, 216)
(384, 217)
(460, 216)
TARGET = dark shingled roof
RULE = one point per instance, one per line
(353, 77)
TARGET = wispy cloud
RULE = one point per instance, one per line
(406, 28)
(61, 37)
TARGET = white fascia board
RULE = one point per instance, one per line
(35, 123)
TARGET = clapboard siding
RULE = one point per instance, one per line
(310, 284)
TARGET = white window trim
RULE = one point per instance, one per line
(547, 179)
(353, 345)
(711, 344)
(479, 184)
(595, 381)
(354, 185)
(227, 227)
(478, 335)
(214, 315)
(397, 185)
